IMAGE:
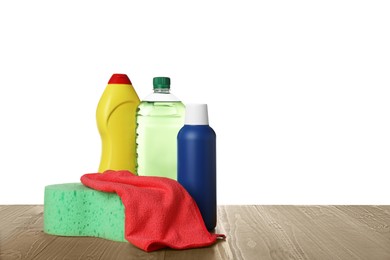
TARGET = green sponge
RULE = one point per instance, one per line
(71, 209)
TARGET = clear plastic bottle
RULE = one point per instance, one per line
(159, 118)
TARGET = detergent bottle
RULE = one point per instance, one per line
(196, 164)
(116, 122)
(159, 118)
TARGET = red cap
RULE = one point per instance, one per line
(119, 79)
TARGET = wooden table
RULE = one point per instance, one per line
(253, 232)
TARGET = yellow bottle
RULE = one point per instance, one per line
(116, 121)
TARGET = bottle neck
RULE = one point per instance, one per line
(161, 90)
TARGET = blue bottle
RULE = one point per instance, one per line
(196, 161)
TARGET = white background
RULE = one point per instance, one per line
(298, 91)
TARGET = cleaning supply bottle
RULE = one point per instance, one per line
(196, 165)
(159, 118)
(115, 116)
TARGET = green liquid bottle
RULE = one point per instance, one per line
(160, 116)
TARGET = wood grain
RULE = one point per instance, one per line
(253, 232)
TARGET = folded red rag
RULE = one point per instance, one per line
(159, 212)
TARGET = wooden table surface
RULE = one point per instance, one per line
(253, 232)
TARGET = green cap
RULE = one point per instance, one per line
(161, 82)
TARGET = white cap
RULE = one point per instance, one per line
(196, 114)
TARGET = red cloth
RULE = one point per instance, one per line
(159, 212)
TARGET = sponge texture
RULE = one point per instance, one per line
(72, 209)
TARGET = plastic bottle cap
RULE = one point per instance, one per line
(161, 82)
(119, 79)
(196, 114)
